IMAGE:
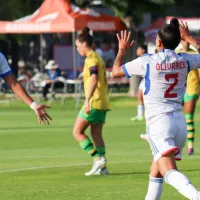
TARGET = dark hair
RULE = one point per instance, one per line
(143, 46)
(170, 34)
(85, 36)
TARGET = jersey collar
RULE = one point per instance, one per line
(89, 52)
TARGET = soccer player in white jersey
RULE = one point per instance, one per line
(141, 50)
(165, 76)
(7, 75)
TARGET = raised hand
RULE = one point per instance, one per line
(124, 41)
(41, 113)
(184, 30)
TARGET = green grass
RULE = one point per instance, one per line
(45, 163)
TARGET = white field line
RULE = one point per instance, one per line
(67, 165)
(83, 164)
(64, 156)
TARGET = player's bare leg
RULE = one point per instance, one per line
(86, 144)
(140, 107)
(168, 169)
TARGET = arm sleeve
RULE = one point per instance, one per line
(4, 67)
(134, 67)
(192, 59)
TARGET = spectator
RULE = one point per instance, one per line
(108, 54)
(98, 48)
(23, 76)
(52, 74)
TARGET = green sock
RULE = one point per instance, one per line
(190, 129)
(88, 147)
(101, 150)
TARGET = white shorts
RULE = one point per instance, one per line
(142, 85)
(167, 133)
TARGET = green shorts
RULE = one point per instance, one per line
(94, 117)
(190, 97)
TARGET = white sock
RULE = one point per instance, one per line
(140, 110)
(155, 188)
(181, 183)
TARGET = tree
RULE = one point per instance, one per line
(14, 9)
(132, 8)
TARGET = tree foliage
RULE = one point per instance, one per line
(14, 9)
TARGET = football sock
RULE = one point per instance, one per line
(190, 129)
(140, 110)
(155, 189)
(101, 150)
(181, 183)
(87, 146)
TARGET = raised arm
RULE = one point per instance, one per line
(124, 44)
(185, 35)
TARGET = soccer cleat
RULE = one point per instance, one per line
(190, 151)
(144, 136)
(96, 166)
(102, 171)
(137, 118)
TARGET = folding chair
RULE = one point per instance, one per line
(78, 88)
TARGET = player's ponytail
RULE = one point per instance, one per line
(85, 36)
(174, 23)
(86, 30)
(170, 34)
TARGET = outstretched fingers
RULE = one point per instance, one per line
(183, 25)
(39, 120)
(45, 106)
(118, 37)
(122, 35)
(48, 116)
(128, 36)
(132, 43)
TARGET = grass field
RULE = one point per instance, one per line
(45, 163)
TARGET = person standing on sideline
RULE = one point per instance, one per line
(93, 112)
(165, 82)
(7, 74)
(141, 50)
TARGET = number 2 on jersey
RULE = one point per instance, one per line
(168, 92)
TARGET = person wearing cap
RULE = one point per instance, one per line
(52, 73)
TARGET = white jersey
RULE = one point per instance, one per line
(4, 67)
(165, 75)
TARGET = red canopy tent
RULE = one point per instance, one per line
(56, 16)
(151, 32)
(61, 16)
